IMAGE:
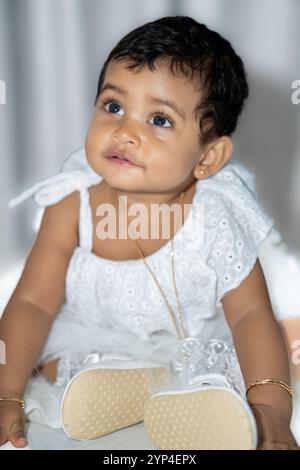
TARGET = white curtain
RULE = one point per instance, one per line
(51, 52)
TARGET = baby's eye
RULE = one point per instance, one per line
(114, 106)
(162, 118)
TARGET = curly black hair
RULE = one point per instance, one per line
(191, 49)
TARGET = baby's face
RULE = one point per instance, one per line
(163, 142)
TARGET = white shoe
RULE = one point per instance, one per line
(206, 415)
(108, 396)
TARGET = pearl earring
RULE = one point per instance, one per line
(202, 172)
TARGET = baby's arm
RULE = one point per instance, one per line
(28, 316)
(262, 354)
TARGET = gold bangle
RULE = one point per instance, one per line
(277, 382)
(22, 402)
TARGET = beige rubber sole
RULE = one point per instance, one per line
(100, 401)
(211, 419)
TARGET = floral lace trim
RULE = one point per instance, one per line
(194, 357)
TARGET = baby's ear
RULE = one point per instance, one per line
(215, 156)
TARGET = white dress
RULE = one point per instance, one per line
(113, 309)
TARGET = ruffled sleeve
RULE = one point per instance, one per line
(235, 225)
(75, 175)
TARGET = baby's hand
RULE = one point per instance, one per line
(12, 424)
(273, 429)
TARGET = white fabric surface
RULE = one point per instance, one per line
(131, 438)
(45, 438)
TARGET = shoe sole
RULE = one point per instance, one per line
(102, 400)
(208, 419)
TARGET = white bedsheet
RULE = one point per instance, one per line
(45, 438)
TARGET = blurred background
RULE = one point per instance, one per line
(51, 53)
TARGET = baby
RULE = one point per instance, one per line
(168, 100)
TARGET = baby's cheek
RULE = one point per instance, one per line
(92, 146)
(91, 139)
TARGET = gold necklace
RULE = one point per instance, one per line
(182, 334)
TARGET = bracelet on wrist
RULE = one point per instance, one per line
(18, 400)
(277, 382)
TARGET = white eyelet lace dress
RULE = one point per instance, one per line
(113, 309)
